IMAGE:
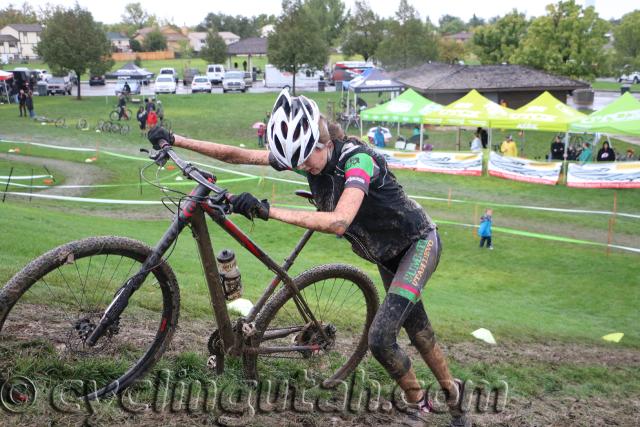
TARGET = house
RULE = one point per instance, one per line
(119, 42)
(28, 36)
(175, 37)
(516, 85)
(229, 37)
(461, 37)
(9, 48)
(197, 39)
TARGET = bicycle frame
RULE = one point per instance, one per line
(192, 212)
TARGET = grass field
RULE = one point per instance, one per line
(613, 86)
(548, 303)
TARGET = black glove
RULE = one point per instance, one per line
(246, 204)
(158, 133)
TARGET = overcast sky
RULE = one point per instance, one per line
(191, 13)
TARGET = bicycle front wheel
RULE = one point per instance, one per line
(343, 300)
(114, 115)
(49, 308)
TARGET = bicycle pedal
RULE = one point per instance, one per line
(249, 329)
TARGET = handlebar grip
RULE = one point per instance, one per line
(162, 143)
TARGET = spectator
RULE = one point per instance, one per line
(476, 143)
(142, 119)
(484, 137)
(509, 147)
(606, 153)
(29, 104)
(149, 105)
(484, 231)
(629, 156)
(14, 92)
(152, 118)
(122, 107)
(557, 149)
(261, 132)
(378, 137)
(160, 112)
(22, 102)
(585, 155)
(416, 131)
(126, 89)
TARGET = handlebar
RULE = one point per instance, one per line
(204, 178)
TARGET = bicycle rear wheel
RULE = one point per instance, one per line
(49, 308)
(60, 122)
(343, 299)
(82, 124)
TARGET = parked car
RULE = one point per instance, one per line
(97, 80)
(215, 73)
(188, 74)
(170, 71)
(630, 77)
(165, 84)
(200, 84)
(134, 85)
(248, 79)
(61, 85)
(41, 74)
(233, 80)
(385, 132)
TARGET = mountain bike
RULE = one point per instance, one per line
(110, 304)
(59, 122)
(115, 113)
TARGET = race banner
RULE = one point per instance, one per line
(604, 175)
(454, 163)
(519, 169)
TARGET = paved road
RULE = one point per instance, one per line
(110, 89)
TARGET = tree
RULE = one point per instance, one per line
(475, 22)
(496, 43)
(154, 41)
(297, 40)
(101, 67)
(449, 24)
(331, 17)
(13, 15)
(215, 49)
(239, 25)
(451, 51)
(569, 40)
(409, 42)
(135, 45)
(72, 40)
(364, 32)
(135, 16)
(627, 40)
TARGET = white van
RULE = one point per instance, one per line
(215, 73)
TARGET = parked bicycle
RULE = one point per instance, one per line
(59, 122)
(115, 301)
(113, 127)
(82, 124)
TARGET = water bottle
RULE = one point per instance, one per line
(229, 274)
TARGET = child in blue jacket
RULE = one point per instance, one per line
(484, 231)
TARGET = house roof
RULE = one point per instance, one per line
(440, 78)
(7, 38)
(462, 36)
(228, 35)
(26, 28)
(116, 36)
(250, 46)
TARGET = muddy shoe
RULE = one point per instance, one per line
(418, 414)
(458, 417)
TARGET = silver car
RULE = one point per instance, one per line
(234, 80)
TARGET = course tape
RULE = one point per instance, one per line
(25, 177)
(164, 182)
(297, 182)
(497, 229)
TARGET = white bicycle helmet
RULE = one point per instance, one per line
(292, 131)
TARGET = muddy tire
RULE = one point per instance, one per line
(345, 302)
(49, 308)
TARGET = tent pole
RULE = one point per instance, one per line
(458, 138)
(421, 136)
(565, 164)
(361, 128)
(398, 128)
(490, 144)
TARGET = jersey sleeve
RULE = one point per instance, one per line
(358, 172)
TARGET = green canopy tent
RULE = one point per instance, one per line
(621, 117)
(545, 113)
(409, 107)
(473, 109)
